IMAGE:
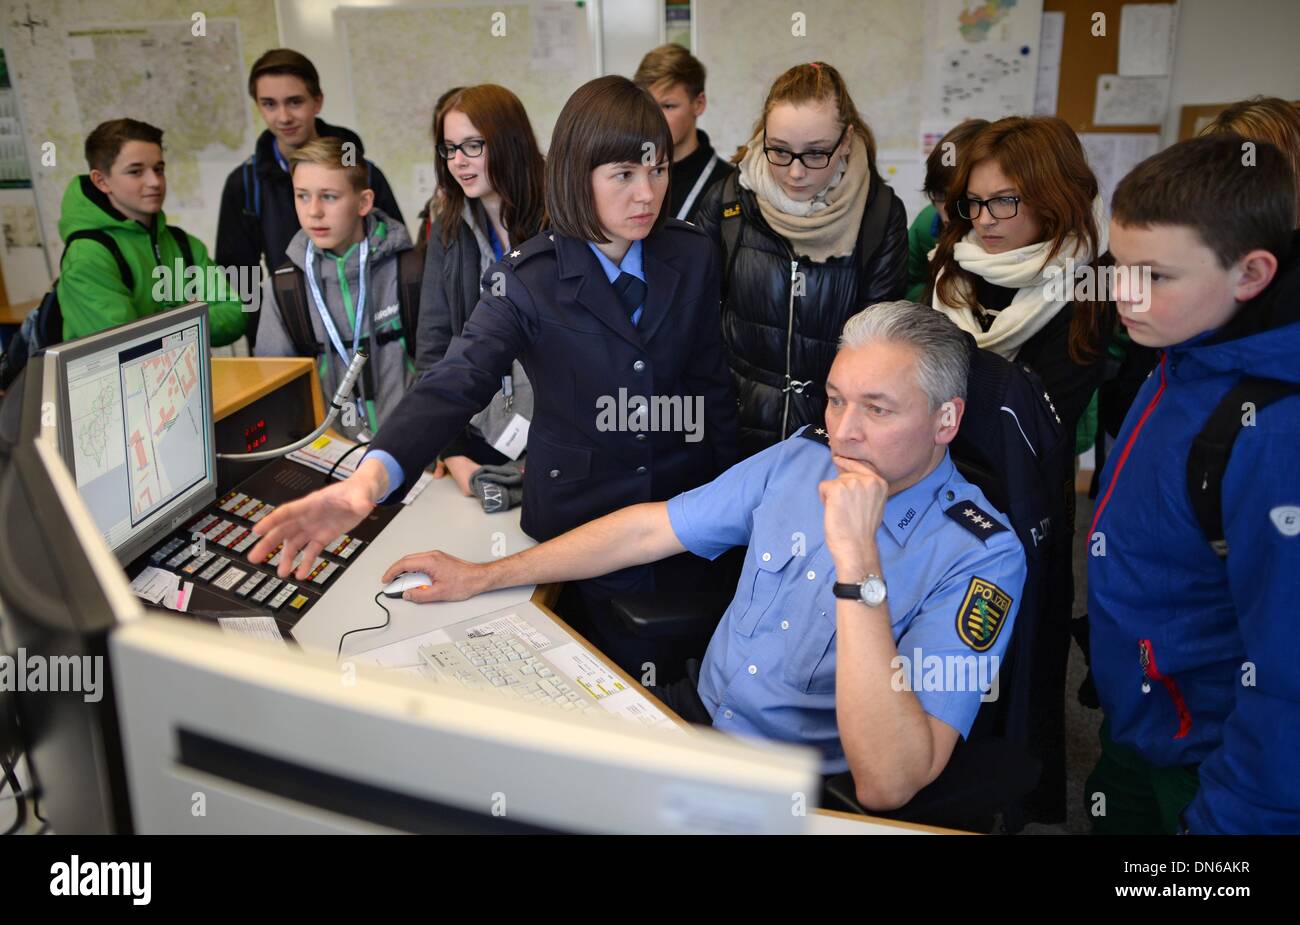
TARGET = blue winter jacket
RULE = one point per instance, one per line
(1196, 657)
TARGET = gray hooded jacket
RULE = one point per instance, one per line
(337, 276)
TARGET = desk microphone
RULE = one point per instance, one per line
(336, 405)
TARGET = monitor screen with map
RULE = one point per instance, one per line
(136, 425)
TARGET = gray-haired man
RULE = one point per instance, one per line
(879, 586)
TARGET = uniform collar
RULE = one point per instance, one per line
(906, 509)
(631, 262)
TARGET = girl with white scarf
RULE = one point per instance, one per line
(1024, 235)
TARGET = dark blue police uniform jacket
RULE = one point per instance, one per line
(549, 304)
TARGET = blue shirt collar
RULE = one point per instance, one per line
(906, 509)
(631, 262)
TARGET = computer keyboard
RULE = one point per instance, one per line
(506, 663)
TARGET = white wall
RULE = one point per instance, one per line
(1229, 50)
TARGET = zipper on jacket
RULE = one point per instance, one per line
(1147, 659)
(789, 342)
(1128, 445)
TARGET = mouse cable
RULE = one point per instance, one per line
(361, 629)
(346, 453)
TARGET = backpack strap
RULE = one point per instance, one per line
(183, 242)
(873, 223)
(252, 188)
(106, 239)
(731, 223)
(410, 276)
(289, 286)
(1207, 461)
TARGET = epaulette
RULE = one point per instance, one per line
(543, 243)
(816, 435)
(974, 519)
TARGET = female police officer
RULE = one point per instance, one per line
(615, 304)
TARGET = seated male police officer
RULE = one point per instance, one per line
(865, 544)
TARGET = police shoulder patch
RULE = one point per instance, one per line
(816, 435)
(982, 613)
(975, 519)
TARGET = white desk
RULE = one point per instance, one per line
(440, 518)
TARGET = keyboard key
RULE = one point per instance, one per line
(253, 581)
(266, 590)
(199, 562)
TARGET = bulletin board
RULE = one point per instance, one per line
(1085, 57)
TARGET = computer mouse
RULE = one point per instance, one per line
(404, 582)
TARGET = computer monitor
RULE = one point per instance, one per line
(131, 411)
(229, 735)
(61, 592)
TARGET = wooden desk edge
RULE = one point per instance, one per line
(284, 370)
(544, 598)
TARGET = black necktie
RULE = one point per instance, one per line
(631, 292)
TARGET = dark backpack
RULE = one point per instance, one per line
(43, 326)
(289, 284)
(870, 235)
(1012, 446)
(1211, 450)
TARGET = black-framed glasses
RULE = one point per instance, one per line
(813, 160)
(472, 148)
(969, 207)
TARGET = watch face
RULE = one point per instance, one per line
(873, 591)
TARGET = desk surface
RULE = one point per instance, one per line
(239, 381)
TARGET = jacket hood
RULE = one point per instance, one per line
(85, 208)
(387, 238)
(266, 141)
(1263, 338)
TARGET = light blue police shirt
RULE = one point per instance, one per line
(953, 567)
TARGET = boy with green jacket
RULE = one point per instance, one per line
(122, 197)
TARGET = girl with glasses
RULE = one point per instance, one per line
(809, 235)
(1022, 202)
(490, 197)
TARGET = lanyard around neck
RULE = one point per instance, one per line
(685, 210)
(321, 308)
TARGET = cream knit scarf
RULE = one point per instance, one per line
(1041, 289)
(825, 226)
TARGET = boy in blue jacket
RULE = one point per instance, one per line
(1195, 646)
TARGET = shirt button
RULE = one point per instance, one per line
(727, 713)
(640, 470)
(640, 437)
(785, 624)
(554, 473)
(812, 575)
(767, 557)
(753, 669)
(638, 366)
(950, 496)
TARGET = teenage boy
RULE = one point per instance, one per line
(345, 257)
(258, 218)
(121, 258)
(1195, 543)
(675, 78)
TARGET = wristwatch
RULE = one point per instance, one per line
(871, 592)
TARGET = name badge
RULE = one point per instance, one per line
(514, 439)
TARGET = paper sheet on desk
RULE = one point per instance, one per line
(161, 587)
(403, 654)
(255, 627)
(610, 691)
(323, 452)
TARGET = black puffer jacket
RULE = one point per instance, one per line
(776, 333)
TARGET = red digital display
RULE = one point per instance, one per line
(255, 435)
